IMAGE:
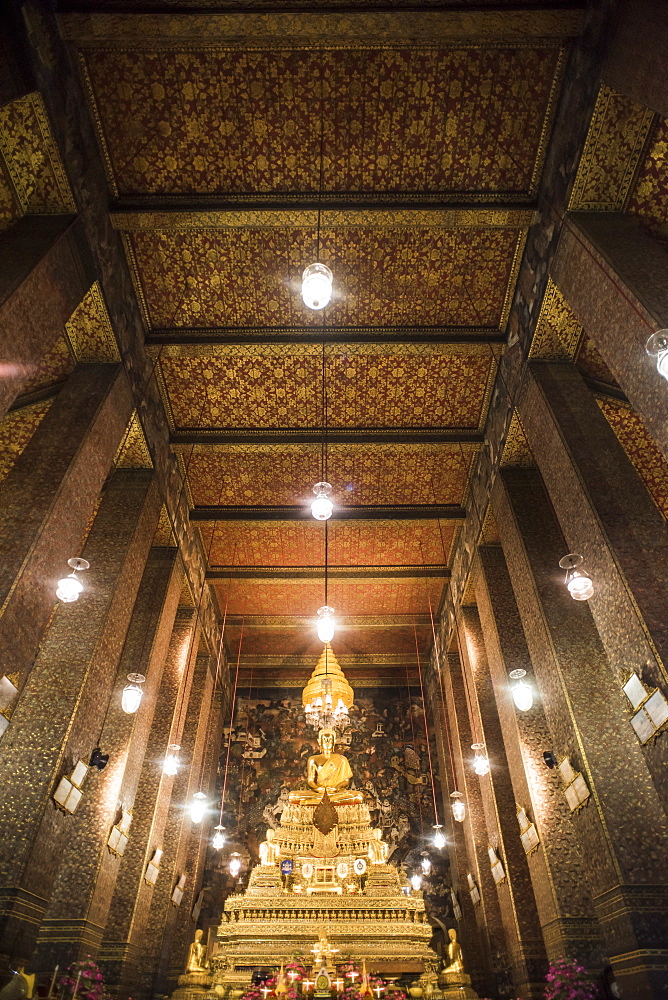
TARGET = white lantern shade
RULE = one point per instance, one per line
(580, 586)
(198, 807)
(458, 807)
(426, 866)
(480, 761)
(132, 694)
(522, 692)
(416, 881)
(325, 625)
(439, 839)
(235, 865)
(69, 589)
(170, 766)
(322, 506)
(218, 841)
(317, 286)
(657, 346)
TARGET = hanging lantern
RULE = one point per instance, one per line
(480, 761)
(325, 624)
(425, 864)
(322, 506)
(522, 692)
(657, 346)
(579, 583)
(70, 587)
(198, 807)
(170, 766)
(458, 806)
(416, 881)
(317, 286)
(235, 864)
(218, 841)
(132, 694)
(439, 839)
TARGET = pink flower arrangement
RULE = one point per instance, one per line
(90, 980)
(567, 980)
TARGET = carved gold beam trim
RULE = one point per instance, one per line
(322, 30)
(307, 218)
(299, 623)
(288, 574)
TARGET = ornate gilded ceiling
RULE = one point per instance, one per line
(402, 148)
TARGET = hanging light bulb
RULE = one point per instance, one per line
(322, 506)
(522, 692)
(657, 346)
(70, 587)
(439, 839)
(235, 864)
(426, 865)
(218, 841)
(317, 286)
(579, 583)
(198, 807)
(325, 623)
(458, 806)
(480, 761)
(132, 694)
(416, 881)
(170, 766)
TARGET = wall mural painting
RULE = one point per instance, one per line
(387, 749)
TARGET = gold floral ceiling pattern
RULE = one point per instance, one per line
(276, 475)
(351, 543)
(392, 119)
(271, 388)
(383, 277)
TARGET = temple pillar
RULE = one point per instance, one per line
(477, 958)
(605, 513)
(560, 892)
(42, 281)
(123, 951)
(622, 825)
(60, 715)
(486, 909)
(635, 63)
(524, 951)
(78, 909)
(46, 502)
(614, 275)
(159, 940)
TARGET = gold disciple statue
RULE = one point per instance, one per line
(269, 850)
(327, 771)
(378, 849)
(196, 961)
(455, 955)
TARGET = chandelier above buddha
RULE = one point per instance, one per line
(327, 696)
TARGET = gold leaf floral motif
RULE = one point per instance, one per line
(89, 329)
(16, 429)
(647, 460)
(32, 159)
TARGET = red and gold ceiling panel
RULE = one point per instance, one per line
(301, 640)
(406, 596)
(384, 275)
(389, 118)
(351, 543)
(277, 475)
(649, 195)
(274, 387)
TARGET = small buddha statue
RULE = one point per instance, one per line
(378, 849)
(327, 771)
(269, 849)
(455, 954)
(196, 961)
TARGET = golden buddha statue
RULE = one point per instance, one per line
(455, 954)
(378, 848)
(196, 961)
(327, 771)
(269, 849)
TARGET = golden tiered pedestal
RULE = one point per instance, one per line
(373, 916)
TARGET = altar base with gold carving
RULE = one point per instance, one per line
(456, 984)
(192, 986)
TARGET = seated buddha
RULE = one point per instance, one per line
(327, 771)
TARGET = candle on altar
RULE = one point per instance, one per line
(53, 981)
(307, 984)
(292, 975)
(76, 985)
(378, 990)
(265, 990)
(337, 984)
(353, 975)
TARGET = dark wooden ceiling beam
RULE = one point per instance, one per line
(297, 573)
(367, 512)
(181, 440)
(502, 205)
(191, 338)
